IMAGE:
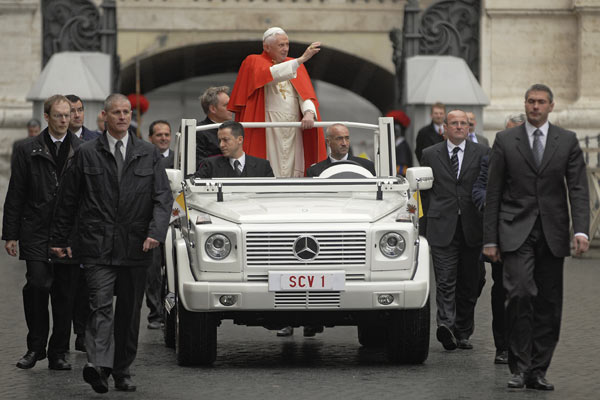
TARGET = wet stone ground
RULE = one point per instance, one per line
(253, 363)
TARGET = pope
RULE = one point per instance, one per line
(272, 87)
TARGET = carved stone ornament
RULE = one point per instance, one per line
(70, 25)
(451, 27)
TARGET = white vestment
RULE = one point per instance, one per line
(285, 150)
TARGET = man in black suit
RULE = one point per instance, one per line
(454, 230)
(118, 194)
(338, 140)
(81, 309)
(159, 134)
(473, 135)
(234, 162)
(33, 129)
(77, 117)
(432, 133)
(38, 168)
(214, 102)
(537, 174)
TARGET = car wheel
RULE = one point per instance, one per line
(196, 338)
(407, 339)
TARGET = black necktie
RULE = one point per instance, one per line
(57, 145)
(454, 160)
(119, 158)
(538, 147)
(237, 166)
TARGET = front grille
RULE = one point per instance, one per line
(310, 300)
(277, 248)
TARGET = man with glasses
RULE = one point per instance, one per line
(37, 171)
(454, 230)
(473, 135)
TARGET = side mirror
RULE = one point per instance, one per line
(175, 178)
(423, 176)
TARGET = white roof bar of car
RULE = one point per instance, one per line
(356, 125)
(296, 185)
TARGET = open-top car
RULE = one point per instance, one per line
(339, 249)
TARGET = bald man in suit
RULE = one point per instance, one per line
(454, 230)
(536, 174)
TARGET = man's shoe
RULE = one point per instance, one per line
(80, 343)
(464, 344)
(446, 337)
(501, 357)
(30, 358)
(287, 331)
(125, 384)
(59, 363)
(154, 325)
(517, 381)
(96, 377)
(539, 383)
(311, 330)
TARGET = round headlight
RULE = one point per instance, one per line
(392, 245)
(217, 246)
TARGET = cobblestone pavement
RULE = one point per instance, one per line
(253, 363)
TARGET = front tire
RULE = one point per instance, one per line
(407, 339)
(196, 338)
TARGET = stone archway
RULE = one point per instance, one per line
(360, 76)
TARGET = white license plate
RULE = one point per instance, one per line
(306, 281)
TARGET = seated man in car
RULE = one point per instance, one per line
(234, 162)
(338, 140)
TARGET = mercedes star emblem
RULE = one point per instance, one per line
(306, 248)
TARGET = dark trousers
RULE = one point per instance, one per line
(111, 340)
(154, 286)
(55, 282)
(498, 304)
(457, 277)
(533, 279)
(81, 304)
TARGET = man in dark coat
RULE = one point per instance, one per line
(234, 162)
(159, 134)
(432, 133)
(214, 102)
(81, 308)
(454, 230)
(119, 192)
(338, 140)
(38, 169)
(536, 183)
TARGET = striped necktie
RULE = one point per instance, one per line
(454, 160)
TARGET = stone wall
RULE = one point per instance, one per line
(555, 42)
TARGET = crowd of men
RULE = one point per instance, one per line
(89, 211)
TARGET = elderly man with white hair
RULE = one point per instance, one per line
(272, 87)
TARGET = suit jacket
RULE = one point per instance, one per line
(518, 192)
(479, 187)
(219, 167)
(450, 194)
(207, 143)
(316, 169)
(169, 160)
(482, 140)
(87, 135)
(426, 137)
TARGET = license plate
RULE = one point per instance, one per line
(306, 281)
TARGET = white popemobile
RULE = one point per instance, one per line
(339, 249)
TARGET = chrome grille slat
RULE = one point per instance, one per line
(335, 248)
(307, 299)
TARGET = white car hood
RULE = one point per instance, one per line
(299, 207)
